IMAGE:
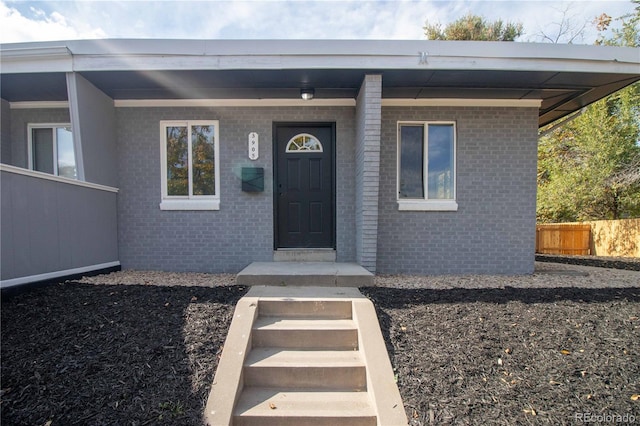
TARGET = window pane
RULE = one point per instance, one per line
(411, 159)
(440, 165)
(66, 156)
(177, 161)
(203, 154)
(304, 143)
(42, 150)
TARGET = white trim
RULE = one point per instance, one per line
(57, 274)
(191, 202)
(160, 103)
(337, 102)
(38, 104)
(209, 204)
(428, 205)
(54, 137)
(74, 113)
(35, 57)
(46, 176)
(460, 102)
(379, 55)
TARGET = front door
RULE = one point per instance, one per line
(304, 185)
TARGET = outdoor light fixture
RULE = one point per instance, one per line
(307, 94)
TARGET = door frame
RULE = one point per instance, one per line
(274, 137)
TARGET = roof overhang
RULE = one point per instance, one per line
(564, 78)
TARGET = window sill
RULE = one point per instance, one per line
(428, 205)
(190, 205)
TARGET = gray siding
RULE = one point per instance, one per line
(94, 131)
(367, 170)
(50, 226)
(493, 230)
(242, 230)
(5, 132)
(19, 120)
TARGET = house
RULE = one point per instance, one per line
(411, 157)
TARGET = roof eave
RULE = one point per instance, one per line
(367, 55)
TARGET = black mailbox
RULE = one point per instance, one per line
(253, 179)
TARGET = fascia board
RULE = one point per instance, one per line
(124, 54)
(373, 48)
(35, 59)
(362, 62)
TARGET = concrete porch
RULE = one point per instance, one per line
(318, 274)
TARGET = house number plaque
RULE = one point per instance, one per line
(253, 146)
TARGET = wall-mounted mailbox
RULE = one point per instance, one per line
(253, 179)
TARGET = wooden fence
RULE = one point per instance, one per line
(615, 237)
(598, 238)
(563, 238)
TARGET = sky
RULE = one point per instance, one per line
(22, 21)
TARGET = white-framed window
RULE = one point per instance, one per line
(427, 166)
(50, 149)
(190, 162)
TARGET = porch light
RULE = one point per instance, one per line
(307, 94)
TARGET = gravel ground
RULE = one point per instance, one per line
(546, 275)
(630, 263)
(136, 348)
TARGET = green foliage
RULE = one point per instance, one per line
(177, 161)
(170, 409)
(627, 35)
(473, 27)
(590, 168)
(203, 160)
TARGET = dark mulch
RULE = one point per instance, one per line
(119, 355)
(628, 263)
(513, 356)
(96, 354)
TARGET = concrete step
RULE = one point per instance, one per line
(304, 255)
(283, 332)
(318, 274)
(312, 309)
(304, 356)
(284, 368)
(278, 407)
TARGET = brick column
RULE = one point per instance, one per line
(368, 118)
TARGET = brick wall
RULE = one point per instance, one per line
(367, 170)
(493, 230)
(242, 230)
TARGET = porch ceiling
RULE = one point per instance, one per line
(565, 78)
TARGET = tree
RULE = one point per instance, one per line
(627, 35)
(590, 167)
(570, 28)
(473, 27)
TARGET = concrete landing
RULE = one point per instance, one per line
(304, 356)
(319, 274)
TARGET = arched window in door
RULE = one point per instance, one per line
(304, 142)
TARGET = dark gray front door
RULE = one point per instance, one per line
(304, 185)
